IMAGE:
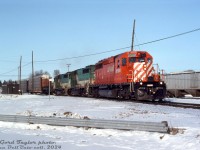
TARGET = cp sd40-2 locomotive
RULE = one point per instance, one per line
(129, 75)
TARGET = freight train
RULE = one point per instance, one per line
(129, 75)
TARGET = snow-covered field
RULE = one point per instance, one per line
(36, 136)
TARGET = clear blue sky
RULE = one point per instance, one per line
(56, 29)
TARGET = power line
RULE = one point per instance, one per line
(15, 69)
(84, 55)
(8, 61)
(8, 71)
(137, 41)
(169, 37)
(27, 64)
(153, 41)
(11, 75)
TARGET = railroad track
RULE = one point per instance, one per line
(182, 105)
(163, 103)
(172, 104)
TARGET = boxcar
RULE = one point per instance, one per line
(24, 86)
(39, 85)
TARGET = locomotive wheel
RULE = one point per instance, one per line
(96, 93)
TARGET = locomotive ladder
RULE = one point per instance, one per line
(131, 78)
(161, 127)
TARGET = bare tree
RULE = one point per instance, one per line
(40, 72)
(56, 73)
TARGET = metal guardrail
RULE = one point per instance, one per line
(161, 127)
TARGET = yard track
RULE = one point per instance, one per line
(172, 104)
(163, 103)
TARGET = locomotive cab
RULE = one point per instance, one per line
(145, 81)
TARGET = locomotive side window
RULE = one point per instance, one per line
(85, 71)
(66, 76)
(149, 60)
(132, 59)
(123, 61)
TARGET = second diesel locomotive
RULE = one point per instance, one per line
(129, 75)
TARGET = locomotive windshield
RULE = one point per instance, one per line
(149, 60)
(141, 60)
(134, 59)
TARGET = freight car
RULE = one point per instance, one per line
(39, 84)
(24, 86)
(10, 88)
(183, 83)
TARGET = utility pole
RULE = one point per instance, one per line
(68, 71)
(20, 76)
(133, 34)
(32, 74)
(50, 80)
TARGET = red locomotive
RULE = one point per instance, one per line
(128, 75)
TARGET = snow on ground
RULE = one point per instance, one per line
(36, 136)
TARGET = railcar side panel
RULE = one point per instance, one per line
(183, 83)
(104, 71)
(40, 84)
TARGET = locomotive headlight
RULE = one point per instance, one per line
(161, 82)
(141, 83)
(144, 67)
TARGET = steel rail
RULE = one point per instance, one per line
(172, 104)
(181, 105)
(163, 103)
